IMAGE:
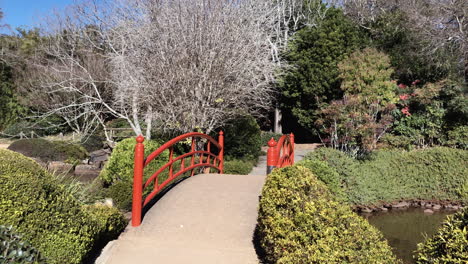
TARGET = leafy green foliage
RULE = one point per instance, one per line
(238, 167)
(449, 245)
(13, 249)
(120, 165)
(49, 218)
(242, 138)
(49, 150)
(314, 54)
(458, 137)
(436, 173)
(301, 222)
(121, 193)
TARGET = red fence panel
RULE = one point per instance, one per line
(280, 154)
(198, 158)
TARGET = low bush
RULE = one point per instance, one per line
(449, 245)
(458, 137)
(300, 221)
(13, 249)
(120, 165)
(239, 167)
(242, 138)
(436, 173)
(51, 219)
(49, 150)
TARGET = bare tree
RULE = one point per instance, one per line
(443, 25)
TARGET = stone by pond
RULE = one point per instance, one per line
(404, 229)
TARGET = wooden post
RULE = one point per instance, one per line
(272, 155)
(221, 152)
(138, 181)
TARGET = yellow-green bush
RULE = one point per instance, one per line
(449, 245)
(49, 218)
(239, 167)
(300, 221)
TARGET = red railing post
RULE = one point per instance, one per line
(291, 139)
(138, 181)
(272, 155)
(221, 152)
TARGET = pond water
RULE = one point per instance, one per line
(404, 229)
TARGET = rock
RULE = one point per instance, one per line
(86, 172)
(428, 205)
(451, 207)
(366, 210)
(40, 162)
(60, 167)
(109, 202)
(98, 157)
(383, 209)
(401, 205)
(428, 211)
(436, 207)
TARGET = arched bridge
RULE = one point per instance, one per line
(207, 218)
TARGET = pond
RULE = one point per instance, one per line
(404, 229)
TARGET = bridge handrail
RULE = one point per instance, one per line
(280, 154)
(212, 161)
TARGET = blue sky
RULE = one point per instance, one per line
(28, 12)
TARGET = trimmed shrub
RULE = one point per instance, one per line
(49, 150)
(242, 138)
(109, 221)
(458, 137)
(239, 167)
(437, 173)
(50, 218)
(301, 222)
(449, 245)
(120, 165)
(327, 175)
(13, 249)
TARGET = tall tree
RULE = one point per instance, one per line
(312, 78)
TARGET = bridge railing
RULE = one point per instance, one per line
(280, 154)
(196, 158)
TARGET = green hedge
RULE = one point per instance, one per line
(242, 138)
(13, 249)
(48, 216)
(449, 245)
(49, 150)
(437, 173)
(300, 221)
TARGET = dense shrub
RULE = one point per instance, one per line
(239, 167)
(242, 138)
(120, 165)
(449, 245)
(13, 249)
(49, 150)
(436, 173)
(458, 137)
(93, 142)
(301, 222)
(47, 215)
(266, 136)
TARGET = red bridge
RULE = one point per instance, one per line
(208, 218)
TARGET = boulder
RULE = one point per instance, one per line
(401, 205)
(436, 207)
(428, 211)
(98, 157)
(86, 172)
(366, 210)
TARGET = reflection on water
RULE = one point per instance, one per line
(404, 229)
